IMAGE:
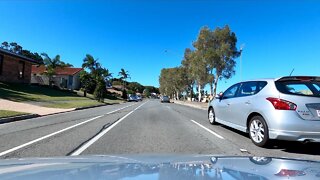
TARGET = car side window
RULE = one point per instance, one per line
(261, 85)
(248, 88)
(231, 92)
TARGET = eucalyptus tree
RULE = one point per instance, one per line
(218, 49)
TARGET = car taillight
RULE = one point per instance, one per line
(281, 104)
(290, 173)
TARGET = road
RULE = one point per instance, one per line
(147, 127)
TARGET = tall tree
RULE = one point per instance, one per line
(223, 54)
(199, 71)
(218, 49)
(124, 75)
(91, 64)
(98, 74)
(187, 71)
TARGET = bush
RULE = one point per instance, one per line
(124, 94)
(100, 91)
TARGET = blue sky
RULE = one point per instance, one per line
(134, 35)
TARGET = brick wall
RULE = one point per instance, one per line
(10, 70)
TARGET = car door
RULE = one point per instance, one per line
(241, 105)
(222, 109)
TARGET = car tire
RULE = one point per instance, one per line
(258, 131)
(211, 116)
(260, 160)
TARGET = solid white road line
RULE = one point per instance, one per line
(210, 131)
(57, 132)
(98, 136)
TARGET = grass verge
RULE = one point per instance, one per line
(47, 97)
(5, 113)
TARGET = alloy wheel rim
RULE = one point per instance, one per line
(211, 116)
(257, 131)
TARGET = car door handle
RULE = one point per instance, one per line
(228, 104)
(248, 102)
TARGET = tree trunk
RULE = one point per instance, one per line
(199, 91)
(211, 83)
(177, 95)
(85, 93)
(211, 88)
(191, 92)
(215, 88)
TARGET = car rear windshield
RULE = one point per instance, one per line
(302, 88)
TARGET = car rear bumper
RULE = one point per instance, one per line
(288, 125)
(294, 135)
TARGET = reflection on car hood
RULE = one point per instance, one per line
(158, 167)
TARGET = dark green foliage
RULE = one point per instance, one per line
(135, 87)
(124, 94)
(100, 90)
(87, 82)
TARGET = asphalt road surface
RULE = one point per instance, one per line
(147, 127)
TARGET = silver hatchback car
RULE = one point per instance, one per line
(286, 108)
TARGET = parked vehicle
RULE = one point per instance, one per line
(132, 97)
(286, 108)
(139, 98)
(165, 99)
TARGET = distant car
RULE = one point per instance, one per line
(165, 99)
(286, 108)
(132, 97)
(139, 98)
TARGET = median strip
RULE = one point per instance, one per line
(58, 132)
(210, 131)
(98, 136)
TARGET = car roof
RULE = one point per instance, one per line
(282, 78)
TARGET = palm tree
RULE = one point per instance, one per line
(92, 64)
(52, 64)
(123, 76)
(106, 74)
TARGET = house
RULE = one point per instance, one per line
(15, 68)
(64, 77)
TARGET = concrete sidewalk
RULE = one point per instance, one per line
(199, 105)
(28, 108)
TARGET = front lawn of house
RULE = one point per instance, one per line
(46, 96)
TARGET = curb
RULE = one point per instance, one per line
(17, 118)
(190, 105)
(88, 107)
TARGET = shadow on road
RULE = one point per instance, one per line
(296, 147)
(285, 146)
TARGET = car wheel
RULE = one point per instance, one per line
(258, 131)
(260, 160)
(211, 116)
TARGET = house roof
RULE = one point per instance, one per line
(10, 53)
(58, 71)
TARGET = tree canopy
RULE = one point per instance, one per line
(16, 48)
(211, 59)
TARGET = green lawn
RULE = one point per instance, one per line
(4, 113)
(45, 96)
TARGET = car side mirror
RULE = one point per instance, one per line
(220, 97)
